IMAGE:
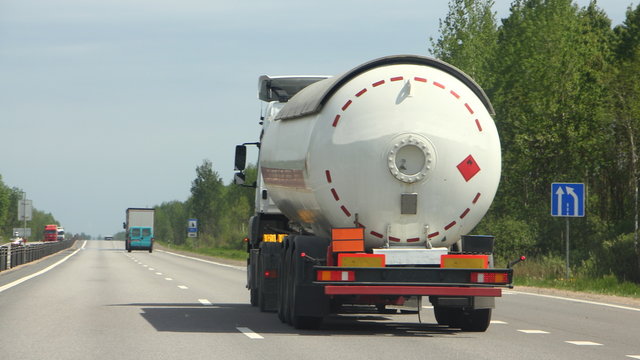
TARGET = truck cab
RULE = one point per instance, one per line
(60, 235)
(50, 233)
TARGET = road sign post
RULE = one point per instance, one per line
(567, 200)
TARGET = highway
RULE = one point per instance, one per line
(96, 301)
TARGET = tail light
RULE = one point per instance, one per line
(497, 278)
(336, 275)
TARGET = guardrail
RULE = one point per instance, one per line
(22, 254)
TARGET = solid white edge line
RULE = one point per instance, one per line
(205, 261)
(29, 277)
(249, 333)
(579, 301)
(634, 356)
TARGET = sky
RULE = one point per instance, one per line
(110, 104)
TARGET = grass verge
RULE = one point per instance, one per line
(233, 254)
(550, 272)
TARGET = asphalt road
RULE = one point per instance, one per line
(104, 303)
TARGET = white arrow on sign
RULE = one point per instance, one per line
(575, 200)
(559, 193)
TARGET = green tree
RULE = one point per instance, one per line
(207, 194)
(468, 39)
(627, 118)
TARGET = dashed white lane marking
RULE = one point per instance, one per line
(205, 302)
(499, 322)
(205, 261)
(151, 269)
(583, 343)
(534, 331)
(249, 333)
(20, 281)
(145, 265)
(182, 287)
(168, 279)
(158, 273)
(634, 356)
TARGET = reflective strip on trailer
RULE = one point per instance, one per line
(411, 290)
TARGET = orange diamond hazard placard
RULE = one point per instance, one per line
(468, 168)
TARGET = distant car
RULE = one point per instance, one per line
(108, 237)
(17, 240)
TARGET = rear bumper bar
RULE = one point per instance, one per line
(411, 290)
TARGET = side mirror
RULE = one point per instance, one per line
(239, 178)
(241, 157)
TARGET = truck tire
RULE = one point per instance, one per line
(475, 320)
(468, 320)
(254, 297)
(444, 316)
(283, 284)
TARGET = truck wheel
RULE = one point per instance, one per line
(262, 301)
(254, 297)
(475, 320)
(283, 284)
(444, 316)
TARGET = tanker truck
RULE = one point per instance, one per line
(367, 186)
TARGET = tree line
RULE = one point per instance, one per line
(565, 87)
(9, 220)
(222, 212)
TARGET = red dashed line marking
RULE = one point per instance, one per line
(346, 105)
(464, 213)
(455, 94)
(450, 225)
(328, 175)
(475, 199)
(397, 78)
(395, 239)
(469, 108)
(478, 125)
(335, 194)
(361, 92)
(346, 212)
(378, 83)
(438, 85)
(376, 234)
(420, 79)
(413, 240)
(335, 121)
(432, 235)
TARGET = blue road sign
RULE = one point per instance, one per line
(567, 199)
(192, 226)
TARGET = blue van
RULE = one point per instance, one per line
(140, 238)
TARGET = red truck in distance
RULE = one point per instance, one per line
(50, 233)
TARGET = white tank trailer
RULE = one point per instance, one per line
(368, 183)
